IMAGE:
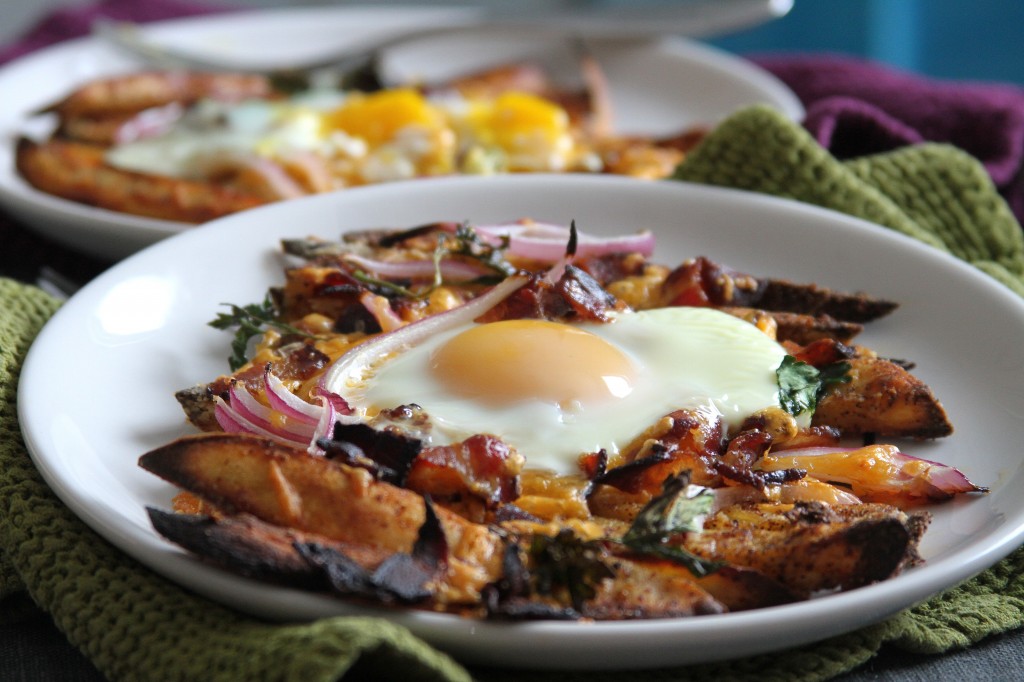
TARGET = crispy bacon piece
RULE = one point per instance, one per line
(824, 352)
(576, 297)
(611, 267)
(386, 453)
(482, 465)
(327, 291)
(692, 440)
(702, 282)
(680, 441)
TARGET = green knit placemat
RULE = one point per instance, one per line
(134, 625)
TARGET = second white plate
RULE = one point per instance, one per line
(656, 87)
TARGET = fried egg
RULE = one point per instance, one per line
(555, 391)
(362, 138)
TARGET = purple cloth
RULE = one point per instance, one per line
(857, 107)
(74, 22)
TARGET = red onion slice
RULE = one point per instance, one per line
(232, 421)
(148, 123)
(875, 470)
(246, 406)
(380, 308)
(289, 420)
(289, 404)
(451, 270)
(546, 243)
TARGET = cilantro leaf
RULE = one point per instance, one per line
(801, 385)
(678, 509)
(567, 568)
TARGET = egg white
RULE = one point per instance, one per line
(212, 129)
(692, 358)
(216, 128)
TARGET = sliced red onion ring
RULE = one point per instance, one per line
(546, 243)
(324, 427)
(289, 420)
(380, 308)
(289, 404)
(246, 406)
(875, 469)
(233, 422)
(148, 123)
(451, 270)
(349, 368)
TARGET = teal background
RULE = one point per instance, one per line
(957, 39)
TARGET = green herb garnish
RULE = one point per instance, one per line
(680, 508)
(464, 242)
(801, 385)
(251, 320)
(566, 567)
(468, 243)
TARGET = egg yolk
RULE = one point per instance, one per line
(516, 118)
(511, 361)
(378, 117)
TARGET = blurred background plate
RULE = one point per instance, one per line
(658, 86)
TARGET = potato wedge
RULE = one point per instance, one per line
(800, 328)
(885, 399)
(808, 548)
(288, 487)
(77, 171)
(130, 93)
(810, 299)
(279, 494)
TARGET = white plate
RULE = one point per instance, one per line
(657, 87)
(96, 390)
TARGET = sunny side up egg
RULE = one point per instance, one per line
(555, 391)
(362, 138)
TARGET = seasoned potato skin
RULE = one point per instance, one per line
(884, 399)
(77, 171)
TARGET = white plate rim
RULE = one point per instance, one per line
(656, 643)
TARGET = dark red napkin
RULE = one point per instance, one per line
(857, 107)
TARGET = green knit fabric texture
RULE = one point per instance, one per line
(134, 625)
